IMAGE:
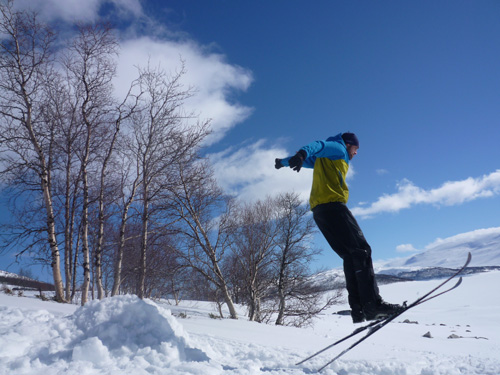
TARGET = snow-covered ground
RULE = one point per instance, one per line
(124, 335)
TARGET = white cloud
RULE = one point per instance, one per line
(351, 172)
(249, 172)
(405, 248)
(78, 10)
(449, 194)
(66, 10)
(129, 7)
(214, 79)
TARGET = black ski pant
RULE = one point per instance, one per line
(344, 235)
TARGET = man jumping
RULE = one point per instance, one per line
(329, 195)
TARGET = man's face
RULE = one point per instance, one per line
(352, 150)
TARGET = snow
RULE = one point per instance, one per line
(450, 252)
(7, 274)
(125, 335)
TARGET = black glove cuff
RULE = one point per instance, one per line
(303, 154)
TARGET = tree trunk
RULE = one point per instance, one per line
(144, 243)
(281, 286)
(223, 289)
(121, 246)
(67, 239)
(49, 208)
(98, 250)
(85, 241)
(69, 217)
(100, 234)
(85, 208)
(51, 231)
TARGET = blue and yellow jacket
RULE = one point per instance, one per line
(330, 161)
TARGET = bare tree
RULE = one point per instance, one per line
(60, 112)
(128, 189)
(123, 112)
(91, 66)
(130, 253)
(26, 142)
(271, 256)
(204, 224)
(163, 136)
(299, 300)
(253, 246)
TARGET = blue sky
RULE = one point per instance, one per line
(418, 82)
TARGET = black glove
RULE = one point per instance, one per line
(297, 160)
(277, 163)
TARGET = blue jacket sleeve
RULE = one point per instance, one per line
(332, 149)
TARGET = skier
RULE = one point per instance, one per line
(329, 194)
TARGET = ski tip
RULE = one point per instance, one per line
(469, 257)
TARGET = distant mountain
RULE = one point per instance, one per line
(451, 252)
(13, 280)
(439, 260)
(430, 273)
(8, 274)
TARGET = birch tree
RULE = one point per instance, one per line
(205, 225)
(122, 113)
(91, 65)
(130, 180)
(164, 135)
(253, 246)
(60, 111)
(299, 300)
(26, 63)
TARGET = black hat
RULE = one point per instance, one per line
(350, 138)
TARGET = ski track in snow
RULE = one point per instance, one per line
(124, 335)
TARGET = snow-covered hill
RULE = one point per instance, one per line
(12, 280)
(483, 244)
(437, 261)
(7, 274)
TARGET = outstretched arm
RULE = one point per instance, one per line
(307, 155)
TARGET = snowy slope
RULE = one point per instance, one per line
(7, 274)
(124, 335)
(484, 244)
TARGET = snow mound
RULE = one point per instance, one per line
(129, 324)
(111, 335)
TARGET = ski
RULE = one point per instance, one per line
(370, 325)
(381, 323)
(377, 324)
(443, 292)
(354, 333)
